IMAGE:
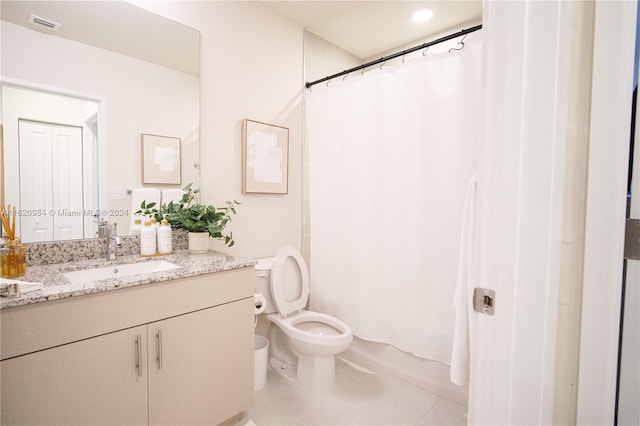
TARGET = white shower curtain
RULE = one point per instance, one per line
(391, 154)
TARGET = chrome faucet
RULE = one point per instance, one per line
(113, 241)
(102, 228)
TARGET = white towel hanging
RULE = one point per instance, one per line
(462, 300)
(173, 194)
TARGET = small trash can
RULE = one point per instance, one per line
(261, 360)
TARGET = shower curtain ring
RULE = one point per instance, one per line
(345, 77)
(424, 52)
(460, 43)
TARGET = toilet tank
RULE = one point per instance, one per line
(263, 282)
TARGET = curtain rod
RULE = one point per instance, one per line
(395, 55)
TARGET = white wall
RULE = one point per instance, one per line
(131, 109)
(251, 67)
(322, 58)
(440, 47)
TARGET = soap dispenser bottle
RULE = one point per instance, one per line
(164, 238)
(136, 227)
(147, 240)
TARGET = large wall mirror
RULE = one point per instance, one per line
(81, 82)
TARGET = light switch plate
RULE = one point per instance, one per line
(118, 193)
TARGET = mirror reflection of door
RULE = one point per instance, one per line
(56, 188)
(50, 163)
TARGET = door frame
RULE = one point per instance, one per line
(100, 100)
(611, 98)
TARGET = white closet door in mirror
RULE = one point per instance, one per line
(51, 198)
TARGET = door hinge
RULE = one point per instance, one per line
(484, 300)
(632, 239)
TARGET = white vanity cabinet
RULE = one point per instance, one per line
(176, 352)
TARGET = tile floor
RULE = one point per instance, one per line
(359, 398)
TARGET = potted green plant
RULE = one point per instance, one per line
(201, 221)
(148, 211)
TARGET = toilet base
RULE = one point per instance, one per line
(309, 372)
(312, 373)
(317, 373)
(287, 372)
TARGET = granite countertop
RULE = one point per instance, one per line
(57, 286)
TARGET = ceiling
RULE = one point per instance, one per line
(363, 28)
(117, 26)
(368, 28)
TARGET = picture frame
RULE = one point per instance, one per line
(265, 158)
(161, 159)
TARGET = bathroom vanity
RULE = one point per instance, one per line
(170, 347)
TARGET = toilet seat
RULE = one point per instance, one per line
(289, 326)
(283, 282)
(291, 313)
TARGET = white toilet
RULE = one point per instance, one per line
(303, 343)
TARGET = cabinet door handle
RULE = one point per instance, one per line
(159, 349)
(139, 356)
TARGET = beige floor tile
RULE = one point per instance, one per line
(358, 398)
(445, 412)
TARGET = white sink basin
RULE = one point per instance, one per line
(117, 271)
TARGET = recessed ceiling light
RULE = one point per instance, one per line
(421, 15)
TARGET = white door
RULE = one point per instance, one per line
(521, 188)
(526, 68)
(51, 200)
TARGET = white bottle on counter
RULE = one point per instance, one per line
(164, 238)
(147, 240)
(136, 227)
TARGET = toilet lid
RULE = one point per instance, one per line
(289, 281)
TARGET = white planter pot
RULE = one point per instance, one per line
(198, 242)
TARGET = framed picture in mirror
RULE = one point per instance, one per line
(161, 160)
(265, 158)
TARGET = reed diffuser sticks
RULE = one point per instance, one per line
(9, 221)
(13, 257)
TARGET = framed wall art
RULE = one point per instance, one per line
(161, 160)
(265, 158)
